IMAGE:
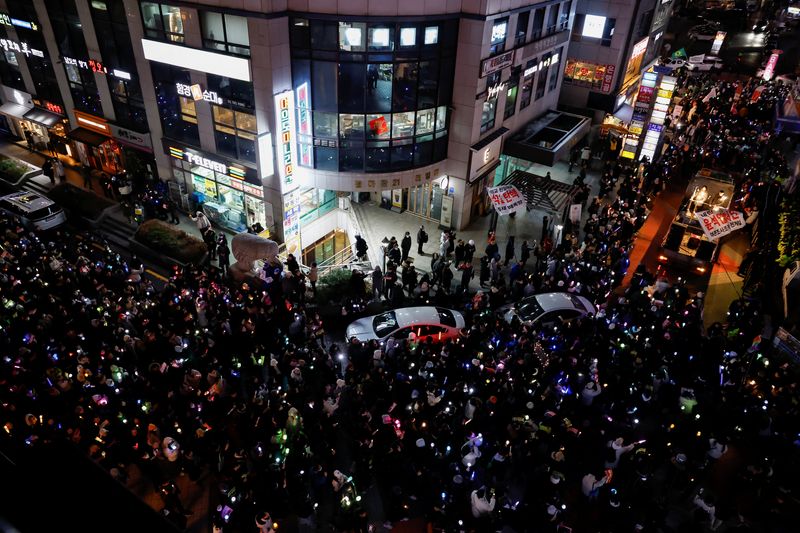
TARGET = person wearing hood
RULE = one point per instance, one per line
(483, 502)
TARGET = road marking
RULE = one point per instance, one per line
(155, 274)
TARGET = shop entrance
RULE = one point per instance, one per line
(325, 249)
(426, 200)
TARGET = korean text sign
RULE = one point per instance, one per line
(506, 199)
(720, 223)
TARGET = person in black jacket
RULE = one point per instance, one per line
(422, 238)
(361, 248)
(224, 253)
(405, 246)
(509, 250)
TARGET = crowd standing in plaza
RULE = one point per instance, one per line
(636, 419)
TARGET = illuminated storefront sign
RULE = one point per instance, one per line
(197, 93)
(769, 69)
(586, 74)
(237, 68)
(494, 90)
(305, 151)
(284, 111)
(202, 160)
(50, 106)
(13, 46)
(8, 20)
(91, 122)
(499, 62)
(90, 64)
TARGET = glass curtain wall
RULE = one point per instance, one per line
(372, 97)
(111, 27)
(71, 44)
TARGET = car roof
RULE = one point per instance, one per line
(407, 316)
(28, 201)
(554, 301)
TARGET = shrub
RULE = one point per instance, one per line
(336, 285)
(172, 242)
(79, 201)
(12, 169)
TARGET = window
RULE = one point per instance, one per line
(487, 114)
(162, 21)
(351, 87)
(552, 19)
(498, 38)
(379, 86)
(538, 22)
(555, 71)
(511, 102)
(325, 125)
(227, 33)
(425, 121)
(585, 74)
(408, 37)
(379, 126)
(563, 21)
(177, 113)
(235, 133)
(188, 110)
(352, 36)
(431, 35)
(522, 28)
(351, 126)
(403, 124)
(543, 70)
(529, 75)
(404, 93)
(592, 27)
(381, 39)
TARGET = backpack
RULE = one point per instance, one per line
(424, 236)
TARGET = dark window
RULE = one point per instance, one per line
(299, 33)
(379, 86)
(178, 113)
(541, 86)
(162, 21)
(71, 44)
(226, 33)
(237, 94)
(351, 157)
(404, 94)
(552, 19)
(324, 35)
(527, 82)
(377, 158)
(428, 84)
(563, 21)
(522, 28)
(324, 86)
(555, 70)
(351, 87)
(538, 22)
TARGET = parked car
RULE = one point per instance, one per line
(703, 63)
(674, 63)
(35, 211)
(704, 32)
(427, 322)
(549, 308)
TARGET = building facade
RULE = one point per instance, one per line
(280, 113)
(613, 42)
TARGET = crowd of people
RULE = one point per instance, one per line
(636, 418)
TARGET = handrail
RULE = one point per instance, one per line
(343, 256)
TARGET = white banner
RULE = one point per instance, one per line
(575, 213)
(506, 199)
(720, 223)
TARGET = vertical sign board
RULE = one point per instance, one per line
(284, 113)
(769, 70)
(718, 40)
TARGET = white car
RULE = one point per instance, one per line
(674, 63)
(34, 211)
(704, 63)
(549, 308)
(427, 322)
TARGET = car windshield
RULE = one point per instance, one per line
(529, 308)
(446, 317)
(384, 323)
(579, 304)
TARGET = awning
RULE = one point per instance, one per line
(40, 116)
(548, 138)
(542, 193)
(14, 110)
(87, 137)
(624, 113)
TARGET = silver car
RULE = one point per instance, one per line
(428, 322)
(549, 308)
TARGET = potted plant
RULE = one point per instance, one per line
(15, 171)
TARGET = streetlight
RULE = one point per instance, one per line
(557, 240)
(384, 243)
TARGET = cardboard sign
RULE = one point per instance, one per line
(379, 126)
(506, 199)
(720, 223)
